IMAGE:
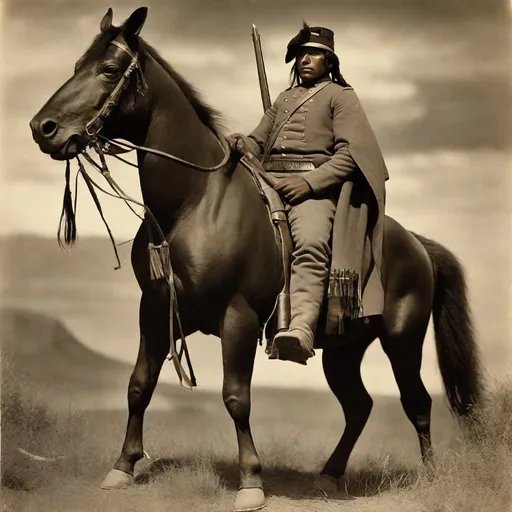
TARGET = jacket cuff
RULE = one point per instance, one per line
(252, 146)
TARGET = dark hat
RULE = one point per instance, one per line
(316, 37)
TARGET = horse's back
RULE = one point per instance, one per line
(401, 248)
(408, 274)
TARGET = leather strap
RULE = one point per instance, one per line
(309, 94)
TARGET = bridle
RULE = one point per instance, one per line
(95, 125)
(159, 255)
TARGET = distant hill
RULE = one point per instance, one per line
(45, 353)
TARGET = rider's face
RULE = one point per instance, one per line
(311, 64)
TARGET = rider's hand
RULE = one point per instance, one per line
(237, 143)
(294, 189)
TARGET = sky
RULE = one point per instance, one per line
(433, 76)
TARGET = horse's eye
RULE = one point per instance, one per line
(110, 71)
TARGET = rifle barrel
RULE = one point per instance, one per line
(262, 76)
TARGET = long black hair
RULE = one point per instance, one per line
(334, 71)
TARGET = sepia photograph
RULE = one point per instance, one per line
(256, 255)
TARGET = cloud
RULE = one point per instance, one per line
(424, 80)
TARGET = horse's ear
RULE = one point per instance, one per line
(106, 22)
(133, 25)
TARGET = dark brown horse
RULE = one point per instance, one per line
(226, 263)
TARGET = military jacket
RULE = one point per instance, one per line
(325, 129)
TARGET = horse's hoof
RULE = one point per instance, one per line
(248, 500)
(117, 479)
(326, 486)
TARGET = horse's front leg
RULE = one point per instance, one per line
(154, 346)
(239, 330)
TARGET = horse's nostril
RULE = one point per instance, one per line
(48, 127)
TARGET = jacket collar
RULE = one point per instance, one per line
(319, 81)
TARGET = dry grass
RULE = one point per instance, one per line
(478, 475)
(474, 475)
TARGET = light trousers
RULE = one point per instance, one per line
(311, 225)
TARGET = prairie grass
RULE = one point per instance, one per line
(477, 476)
(196, 468)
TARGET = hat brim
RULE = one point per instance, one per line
(292, 52)
(318, 45)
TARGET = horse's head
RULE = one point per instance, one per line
(89, 99)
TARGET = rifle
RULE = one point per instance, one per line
(277, 212)
(262, 75)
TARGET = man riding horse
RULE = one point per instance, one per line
(317, 141)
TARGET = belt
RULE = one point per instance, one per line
(288, 165)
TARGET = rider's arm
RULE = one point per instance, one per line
(257, 139)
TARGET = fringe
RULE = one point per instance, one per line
(344, 285)
(159, 260)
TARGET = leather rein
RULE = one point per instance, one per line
(159, 255)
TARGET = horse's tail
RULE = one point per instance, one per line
(457, 352)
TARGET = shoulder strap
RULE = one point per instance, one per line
(275, 132)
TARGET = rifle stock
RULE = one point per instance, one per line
(262, 75)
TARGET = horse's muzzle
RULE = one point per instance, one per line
(60, 142)
(71, 148)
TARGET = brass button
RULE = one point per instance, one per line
(283, 147)
(311, 100)
(306, 109)
(286, 99)
(286, 111)
(285, 137)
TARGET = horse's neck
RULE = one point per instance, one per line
(169, 187)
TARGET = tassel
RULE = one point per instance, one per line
(67, 218)
(159, 260)
(344, 286)
(356, 296)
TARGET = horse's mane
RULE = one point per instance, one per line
(208, 115)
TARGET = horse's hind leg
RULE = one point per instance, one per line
(154, 346)
(342, 368)
(402, 342)
(239, 329)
